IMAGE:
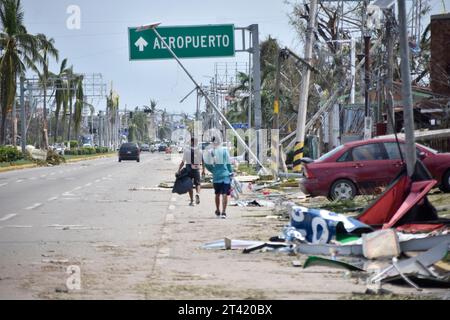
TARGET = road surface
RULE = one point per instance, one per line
(101, 229)
(81, 214)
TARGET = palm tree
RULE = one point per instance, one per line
(20, 50)
(46, 50)
(238, 110)
(60, 95)
(70, 93)
(79, 105)
(112, 104)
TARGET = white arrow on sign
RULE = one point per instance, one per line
(141, 43)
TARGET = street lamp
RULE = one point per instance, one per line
(148, 26)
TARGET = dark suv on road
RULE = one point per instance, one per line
(129, 151)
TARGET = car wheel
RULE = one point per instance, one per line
(445, 184)
(138, 160)
(342, 189)
(120, 160)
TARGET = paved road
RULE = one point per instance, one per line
(81, 214)
(144, 243)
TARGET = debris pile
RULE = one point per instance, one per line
(398, 239)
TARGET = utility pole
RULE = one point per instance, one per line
(23, 140)
(304, 90)
(257, 87)
(274, 134)
(256, 75)
(390, 71)
(368, 118)
(408, 115)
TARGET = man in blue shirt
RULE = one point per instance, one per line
(217, 161)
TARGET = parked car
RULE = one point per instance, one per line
(162, 147)
(129, 151)
(145, 147)
(360, 166)
(59, 148)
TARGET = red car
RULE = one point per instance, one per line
(361, 166)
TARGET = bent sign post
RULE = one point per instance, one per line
(185, 41)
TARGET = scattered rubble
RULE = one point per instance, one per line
(376, 248)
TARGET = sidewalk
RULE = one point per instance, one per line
(185, 271)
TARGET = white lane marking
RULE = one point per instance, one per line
(88, 184)
(77, 188)
(17, 226)
(171, 207)
(8, 216)
(52, 198)
(3, 184)
(33, 178)
(34, 206)
(67, 194)
(170, 218)
(98, 180)
(52, 173)
(162, 253)
(20, 180)
(173, 199)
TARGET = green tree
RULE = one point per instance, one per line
(60, 95)
(20, 51)
(70, 93)
(46, 50)
(79, 105)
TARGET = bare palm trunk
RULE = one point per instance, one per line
(70, 119)
(3, 129)
(63, 126)
(14, 125)
(44, 122)
(55, 130)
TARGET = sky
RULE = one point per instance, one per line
(100, 45)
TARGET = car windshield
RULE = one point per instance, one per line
(128, 146)
(330, 153)
(427, 148)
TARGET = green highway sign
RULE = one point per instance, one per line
(185, 41)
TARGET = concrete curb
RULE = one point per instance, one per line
(33, 165)
(19, 167)
(91, 158)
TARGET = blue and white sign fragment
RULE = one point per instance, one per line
(320, 226)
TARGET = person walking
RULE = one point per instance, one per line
(217, 161)
(192, 158)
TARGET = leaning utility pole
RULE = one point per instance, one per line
(367, 113)
(408, 115)
(390, 71)
(204, 94)
(304, 90)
